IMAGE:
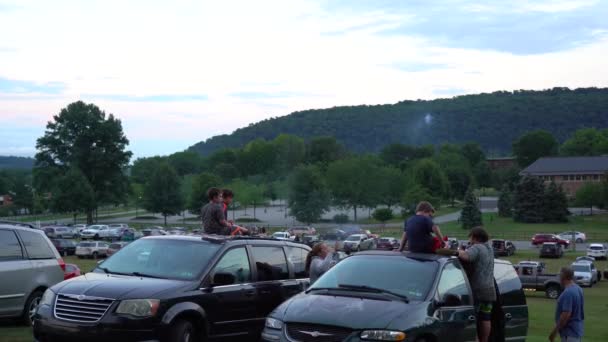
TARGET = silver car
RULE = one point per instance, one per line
(585, 273)
(29, 264)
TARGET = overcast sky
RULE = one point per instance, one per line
(177, 72)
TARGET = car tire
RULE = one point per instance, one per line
(80, 257)
(182, 331)
(552, 291)
(95, 255)
(64, 253)
(96, 237)
(579, 240)
(30, 307)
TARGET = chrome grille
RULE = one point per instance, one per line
(302, 332)
(79, 308)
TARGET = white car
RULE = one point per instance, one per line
(358, 242)
(585, 273)
(282, 236)
(598, 251)
(96, 231)
(579, 237)
(94, 249)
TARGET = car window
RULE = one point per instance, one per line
(10, 249)
(509, 285)
(296, 257)
(452, 288)
(270, 263)
(235, 262)
(36, 246)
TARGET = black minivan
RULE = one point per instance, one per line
(175, 288)
(393, 296)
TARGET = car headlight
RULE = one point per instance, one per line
(382, 335)
(274, 323)
(138, 307)
(47, 298)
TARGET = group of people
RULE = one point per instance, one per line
(214, 214)
(479, 257)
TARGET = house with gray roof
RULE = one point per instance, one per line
(569, 172)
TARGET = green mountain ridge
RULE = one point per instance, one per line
(493, 120)
(11, 162)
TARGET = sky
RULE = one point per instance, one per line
(178, 72)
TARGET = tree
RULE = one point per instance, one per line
(23, 197)
(198, 195)
(391, 184)
(383, 215)
(470, 215)
(457, 171)
(185, 162)
(290, 151)
(308, 196)
(324, 150)
(528, 200)
(505, 203)
(142, 168)
(162, 192)
(555, 204)
(506, 177)
(82, 136)
(483, 174)
(589, 195)
(429, 175)
(257, 157)
(533, 145)
(586, 142)
(247, 193)
(473, 153)
(414, 194)
(73, 194)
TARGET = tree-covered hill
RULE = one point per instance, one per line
(16, 162)
(493, 120)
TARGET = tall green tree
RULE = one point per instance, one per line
(555, 204)
(142, 168)
(198, 195)
(414, 194)
(483, 174)
(162, 193)
(589, 195)
(457, 170)
(533, 145)
(257, 157)
(429, 175)
(324, 150)
(290, 152)
(185, 162)
(586, 142)
(391, 185)
(73, 194)
(528, 200)
(248, 194)
(473, 153)
(23, 197)
(470, 216)
(82, 136)
(308, 196)
(505, 202)
(383, 215)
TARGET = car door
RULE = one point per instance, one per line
(16, 272)
(456, 312)
(232, 305)
(271, 272)
(513, 301)
(299, 281)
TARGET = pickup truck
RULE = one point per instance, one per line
(534, 280)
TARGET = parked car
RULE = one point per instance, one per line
(551, 250)
(301, 230)
(358, 242)
(539, 265)
(533, 278)
(71, 271)
(153, 232)
(96, 232)
(151, 290)
(453, 244)
(585, 273)
(115, 247)
(177, 231)
(388, 243)
(55, 232)
(579, 237)
(92, 249)
(282, 236)
(539, 239)
(118, 226)
(389, 304)
(29, 264)
(310, 240)
(64, 247)
(334, 235)
(597, 251)
(80, 227)
(503, 247)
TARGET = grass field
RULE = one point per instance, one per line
(541, 309)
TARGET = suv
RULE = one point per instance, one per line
(539, 239)
(96, 232)
(93, 249)
(579, 237)
(597, 251)
(60, 233)
(29, 264)
(358, 242)
(151, 290)
(65, 247)
(585, 273)
(551, 250)
(503, 247)
(389, 304)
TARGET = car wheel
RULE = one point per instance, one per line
(96, 237)
(552, 291)
(95, 255)
(182, 331)
(579, 240)
(64, 253)
(31, 305)
(80, 257)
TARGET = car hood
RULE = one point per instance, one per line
(352, 312)
(118, 286)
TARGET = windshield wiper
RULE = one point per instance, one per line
(139, 274)
(365, 288)
(107, 271)
(320, 289)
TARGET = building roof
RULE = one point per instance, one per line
(567, 165)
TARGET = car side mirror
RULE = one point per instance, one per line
(223, 278)
(449, 300)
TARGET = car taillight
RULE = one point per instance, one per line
(61, 264)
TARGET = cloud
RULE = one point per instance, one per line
(23, 87)
(149, 98)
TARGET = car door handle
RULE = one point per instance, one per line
(472, 318)
(508, 316)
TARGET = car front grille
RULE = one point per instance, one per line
(302, 332)
(79, 308)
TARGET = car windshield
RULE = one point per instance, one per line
(353, 238)
(388, 273)
(87, 244)
(497, 244)
(174, 259)
(597, 248)
(385, 240)
(581, 268)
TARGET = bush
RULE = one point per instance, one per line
(340, 218)
(383, 214)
